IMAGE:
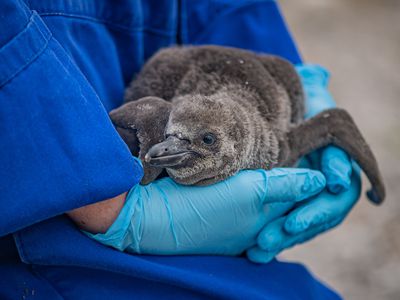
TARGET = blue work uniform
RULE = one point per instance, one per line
(63, 65)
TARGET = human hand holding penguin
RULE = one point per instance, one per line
(256, 101)
(166, 218)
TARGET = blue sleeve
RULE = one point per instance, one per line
(58, 148)
(13, 18)
(256, 25)
(94, 271)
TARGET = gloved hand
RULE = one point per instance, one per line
(306, 221)
(332, 161)
(225, 218)
(329, 208)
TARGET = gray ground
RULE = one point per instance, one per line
(359, 42)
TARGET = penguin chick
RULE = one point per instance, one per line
(214, 111)
(209, 138)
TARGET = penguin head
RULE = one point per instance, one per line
(204, 140)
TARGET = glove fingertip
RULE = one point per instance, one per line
(337, 187)
(337, 177)
(336, 165)
(259, 256)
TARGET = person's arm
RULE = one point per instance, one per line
(58, 148)
(98, 217)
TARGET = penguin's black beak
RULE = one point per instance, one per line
(170, 153)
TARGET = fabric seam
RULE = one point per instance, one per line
(32, 28)
(20, 247)
(26, 64)
(109, 23)
(38, 274)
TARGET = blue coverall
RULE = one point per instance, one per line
(63, 65)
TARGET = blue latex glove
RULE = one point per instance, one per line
(225, 218)
(320, 214)
(327, 209)
(332, 161)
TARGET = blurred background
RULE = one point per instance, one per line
(359, 42)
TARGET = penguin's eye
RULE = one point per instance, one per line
(209, 139)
